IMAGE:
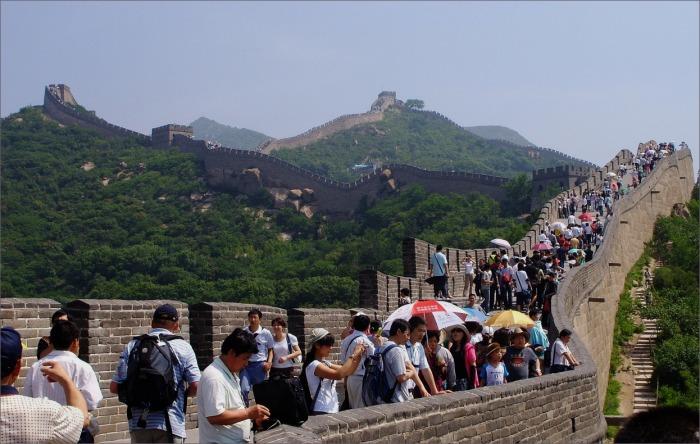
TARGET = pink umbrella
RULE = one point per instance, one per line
(542, 246)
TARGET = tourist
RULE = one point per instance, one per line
(469, 276)
(485, 286)
(482, 347)
(260, 363)
(154, 426)
(471, 303)
(43, 348)
(285, 350)
(520, 360)
(440, 360)
(439, 272)
(562, 358)
(37, 420)
(404, 297)
(538, 336)
(464, 355)
(65, 339)
(359, 336)
(398, 368)
(221, 411)
(416, 354)
(505, 279)
(375, 334)
(494, 372)
(319, 375)
(523, 289)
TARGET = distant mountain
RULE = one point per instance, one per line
(495, 132)
(424, 139)
(207, 129)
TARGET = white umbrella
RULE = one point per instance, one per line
(502, 243)
(664, 151)
(558, 226)
(611, 174)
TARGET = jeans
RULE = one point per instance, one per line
(486, 294)
(507, 296)
(252, 374)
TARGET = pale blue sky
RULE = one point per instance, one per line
(585, 78)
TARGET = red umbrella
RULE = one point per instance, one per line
(542, 246)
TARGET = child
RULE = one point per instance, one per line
(494, 372)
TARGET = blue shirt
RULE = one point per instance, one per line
(186, 369)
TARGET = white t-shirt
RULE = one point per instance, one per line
(572, 219)
(327, 400)
(281, 349)
(439, 263)
(558, 353)
(416, 354)
(468, 267)
(494, 375)
(347, 348)
(395, 360)
(220, 390)
(520, 279)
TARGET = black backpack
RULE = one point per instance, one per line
(286, 399)
(150, 377)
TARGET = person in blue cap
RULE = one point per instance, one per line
(37, 420)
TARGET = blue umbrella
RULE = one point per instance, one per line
(480, 317)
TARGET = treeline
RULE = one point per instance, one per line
(85, 217)
(676, 306)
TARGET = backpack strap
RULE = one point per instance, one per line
(289, 344)
(349, 344)
(318, 389)
(389, 394)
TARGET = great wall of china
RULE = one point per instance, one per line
(250, 171)
(559, 408)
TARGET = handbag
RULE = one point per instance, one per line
(430, 280)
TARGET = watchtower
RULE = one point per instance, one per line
(162, 136)
(385, 99)
(562, 178)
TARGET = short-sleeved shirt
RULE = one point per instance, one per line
(520, 278)
(327, 400)
(438, 261)
(520, 362)
(37, 420)
(395, 361)
(186, 370)
(347, 348)
(80, 372)
(416, 354)
(281, 349)
(494, 375)
(220, 390)
(558, 351)
(468, 267)
(265, 342)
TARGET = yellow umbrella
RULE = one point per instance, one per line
(509, 318)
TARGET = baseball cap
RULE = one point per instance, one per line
(11, 350)
(166, 312)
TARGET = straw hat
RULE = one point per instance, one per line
(493, 347)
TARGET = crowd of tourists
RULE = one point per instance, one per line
(158, 371)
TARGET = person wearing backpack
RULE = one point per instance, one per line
(221, 411)
(318, 375)
(151, 379)
(353, 383)
(398, 370)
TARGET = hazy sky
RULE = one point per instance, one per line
(585, 78)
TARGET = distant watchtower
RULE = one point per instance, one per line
(385, 99)
(62, 92)
(162, 136)
(561, 177)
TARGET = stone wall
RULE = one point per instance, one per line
(224, 165)
(55, 108)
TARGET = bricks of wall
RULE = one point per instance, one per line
(303, 320)
(32, 319)
(106, 327)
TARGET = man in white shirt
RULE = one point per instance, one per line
(523, 289)
(399, 370)
(353, 383)
(64, 339)
(221, 409)
(260, 362)
(439, 273)
(562, 358)
(416, 354)
(30, 420)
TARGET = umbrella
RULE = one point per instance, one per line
(558, 225)
(437, 314)
(509, 318)
(574, 251)
(542, 246)
(477, 314)
(502, 243)
(585, 217)
(611, 174)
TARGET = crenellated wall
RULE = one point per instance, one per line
(223, 165)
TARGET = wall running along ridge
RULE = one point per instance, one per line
(564, 407)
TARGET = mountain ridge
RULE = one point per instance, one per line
(499, 132)
(243, 138)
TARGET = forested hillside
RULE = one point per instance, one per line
(86, 217)
(419, 138)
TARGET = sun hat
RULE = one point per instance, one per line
(486, 330)
(493, 347)
(459, 327)
(519, 331)
(316, 335)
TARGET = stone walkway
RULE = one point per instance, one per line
(644, 388)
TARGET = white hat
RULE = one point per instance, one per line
(316, 335)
